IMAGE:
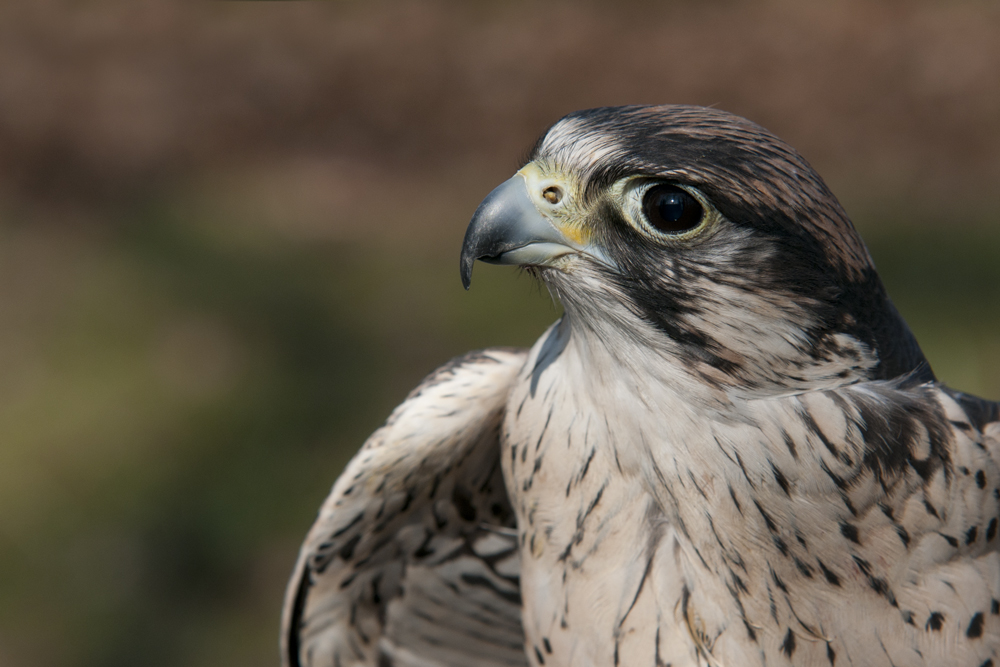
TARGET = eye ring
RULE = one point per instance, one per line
(671, 210)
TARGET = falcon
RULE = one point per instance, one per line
(729, 451)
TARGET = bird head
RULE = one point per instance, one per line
(704, 237)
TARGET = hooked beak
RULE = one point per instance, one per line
(507, 228)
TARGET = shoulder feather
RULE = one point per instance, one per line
(413, 558)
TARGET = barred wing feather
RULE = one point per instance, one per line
(413, 560)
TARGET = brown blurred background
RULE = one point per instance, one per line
(229, 240)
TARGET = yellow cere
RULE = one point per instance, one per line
(564, 214)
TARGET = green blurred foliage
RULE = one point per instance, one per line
(187, 401)
(945, 280)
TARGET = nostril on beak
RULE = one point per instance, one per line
(552, 194)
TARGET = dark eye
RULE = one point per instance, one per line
(669, 209)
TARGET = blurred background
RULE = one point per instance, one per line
(229, 238)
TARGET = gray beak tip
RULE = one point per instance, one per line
(508, 229)
(469, 256)
(496, 226)
(466, 272)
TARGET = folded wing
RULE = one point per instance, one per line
(413, 560)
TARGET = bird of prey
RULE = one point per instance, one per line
(730, 450)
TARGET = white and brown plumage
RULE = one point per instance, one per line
(729, 451)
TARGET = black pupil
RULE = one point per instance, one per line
(671, 206)
(670, 209)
